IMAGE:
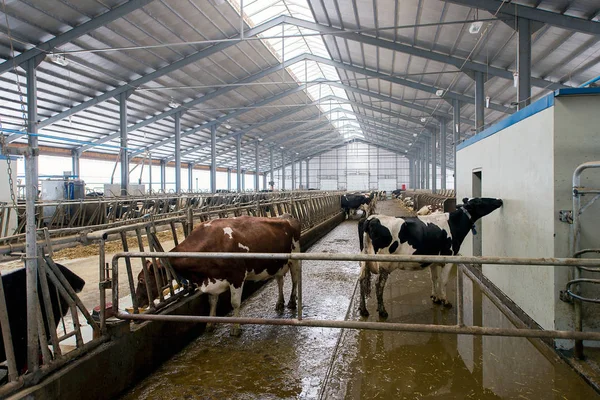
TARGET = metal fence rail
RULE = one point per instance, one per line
(459, 328)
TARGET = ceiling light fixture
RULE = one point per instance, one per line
(439, 92)
(410, 144)
(487, 101)
(423, 119)
(259, 139)
(475, 27)
(173, 104)
(58, 59)
(414, 135)
(227, 126)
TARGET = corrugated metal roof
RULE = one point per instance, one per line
(367, 88)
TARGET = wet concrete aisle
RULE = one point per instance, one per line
(267, 362)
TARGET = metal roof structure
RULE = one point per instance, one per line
(298, 76)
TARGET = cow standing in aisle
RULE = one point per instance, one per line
(232, 235)
(437, 234)
(355, 201)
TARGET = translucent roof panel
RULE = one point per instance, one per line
(287, 42)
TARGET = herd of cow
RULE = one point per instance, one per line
(435, 234)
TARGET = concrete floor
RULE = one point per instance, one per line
(269, 362)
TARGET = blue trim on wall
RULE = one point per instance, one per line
(532, 109)
(13, 158)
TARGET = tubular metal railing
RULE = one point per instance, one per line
(459, 328)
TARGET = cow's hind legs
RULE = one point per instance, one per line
(446, 269)
(365, 288)
(280, 303)
(212, 299)
(295, 268)
(434, 270)
(379, 286)
(236, 302)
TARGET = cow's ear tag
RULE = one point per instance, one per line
(474, 230)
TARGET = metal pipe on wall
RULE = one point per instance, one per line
(455, 132)
(434, 161)
(75, 163)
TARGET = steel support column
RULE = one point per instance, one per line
(271, 170)
(265, 180)
(307, 174)
(410, 172)
(177, 118)
(149, 173)
(300, 174)
(163, 175)
(190, 177)
(228, 179)
(434, 144)
(524, 62)
(282, 170)
(238, 162)
(479, 101)
(427, 162)
(75, 162)
(31, 191)
(455, 132)
(443, 134)
(293, 157)
(123, 132)
(256, 168)
(243, 175)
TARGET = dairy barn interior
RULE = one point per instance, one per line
(419, 175)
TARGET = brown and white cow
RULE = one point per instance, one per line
(231, 235)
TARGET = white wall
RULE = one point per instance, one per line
(517, 166)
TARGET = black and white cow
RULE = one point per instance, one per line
(353, 201)
(437, 234)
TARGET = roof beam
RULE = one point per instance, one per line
(399, 102)
(534, 14)
(206, 97)
(160, 72)
(459, 63)
(74, 33)
(405, 82)
(224, 118)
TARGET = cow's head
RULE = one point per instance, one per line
(480, 206)
(143, 286)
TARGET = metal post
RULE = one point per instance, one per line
(423, 164)
(427, 162)
(213, 159)
(228, 179)
(31, 190)
(271, 165)
(265, 185)
(123, 130)
(455, 132)
(443, 153)
(75, 163)
(282, 170)
(433, 161)
(238, 161)
(149, 172)
(177, 117)
(524, 62)
(256, 168)
(293, 171)
(163, 175)
(479, 101)
(190, 176)
(243, 180)
(300, 174)
(410, 172)
(307, 173)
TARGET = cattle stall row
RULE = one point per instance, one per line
(311, 209)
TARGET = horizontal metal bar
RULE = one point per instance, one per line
(380, 326)
(568, 262)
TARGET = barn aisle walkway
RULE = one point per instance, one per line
(269, 362)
